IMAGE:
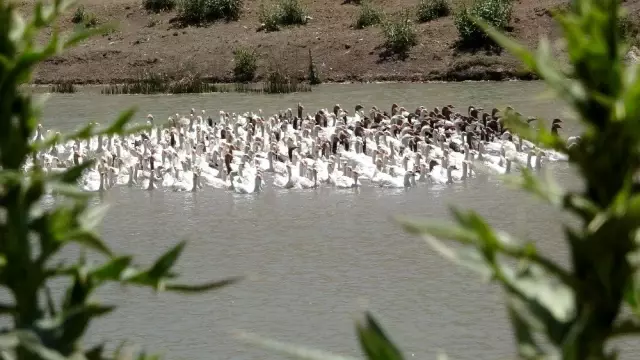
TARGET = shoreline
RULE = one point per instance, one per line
(146, 43)
(489, 76)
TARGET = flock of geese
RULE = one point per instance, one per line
(234, 152)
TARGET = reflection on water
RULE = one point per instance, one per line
(315, 254)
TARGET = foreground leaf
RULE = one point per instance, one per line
(374, 342)
(292, 351)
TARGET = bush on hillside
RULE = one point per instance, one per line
(81, 17)
(432, 9)
(496, 13)
(204, 11)
(400, 34)
(369, 15)
(629, 30)
(245, 65)
(282, 13)
(159, 5)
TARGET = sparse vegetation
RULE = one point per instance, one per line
(245, 65)
(314, 78)
(160, 83)
(279, 82)
(80, 16)
(62, 88)
(282, 13)
(369, 15)
(159, 5)
(400, 34)
(629, 30)
(204, 11)
(496, 13)
(432, 9)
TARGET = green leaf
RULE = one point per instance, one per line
(32, 343)
(374, 342)
(525, 340)
(92, 217)
(202, 287)
(90, 240)
(162, 266)
(112, 270)
(71, 175)
(95, 353)
(291, 351)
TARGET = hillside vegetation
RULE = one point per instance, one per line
(201, 37)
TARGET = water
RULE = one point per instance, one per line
(315, 256)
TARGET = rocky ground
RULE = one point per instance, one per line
(153, 42)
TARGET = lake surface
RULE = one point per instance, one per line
(315, 256)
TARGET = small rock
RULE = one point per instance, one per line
(175, 33)
(347, 46)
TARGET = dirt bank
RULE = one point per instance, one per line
(152, 42)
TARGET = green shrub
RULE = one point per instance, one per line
(400, 34)
(629, 30)
(159, 5)
(245, 65)
(78, 15)
(292, 13)
(496, 13)
(88, 20)
(432, 9)
(204, 11)
(282, 13)
(369, 15)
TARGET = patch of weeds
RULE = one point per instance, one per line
(282, 13)
(369, 15)
(432, 9)
(496, 13)
(314, 78)
(400, 35)
(62, 88)
(629, 30)
(195, 12)
(159, 5)
(88, 20)
(78, 15)
(245, 65)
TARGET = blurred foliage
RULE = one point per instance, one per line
(567, 312)
(43, 325)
